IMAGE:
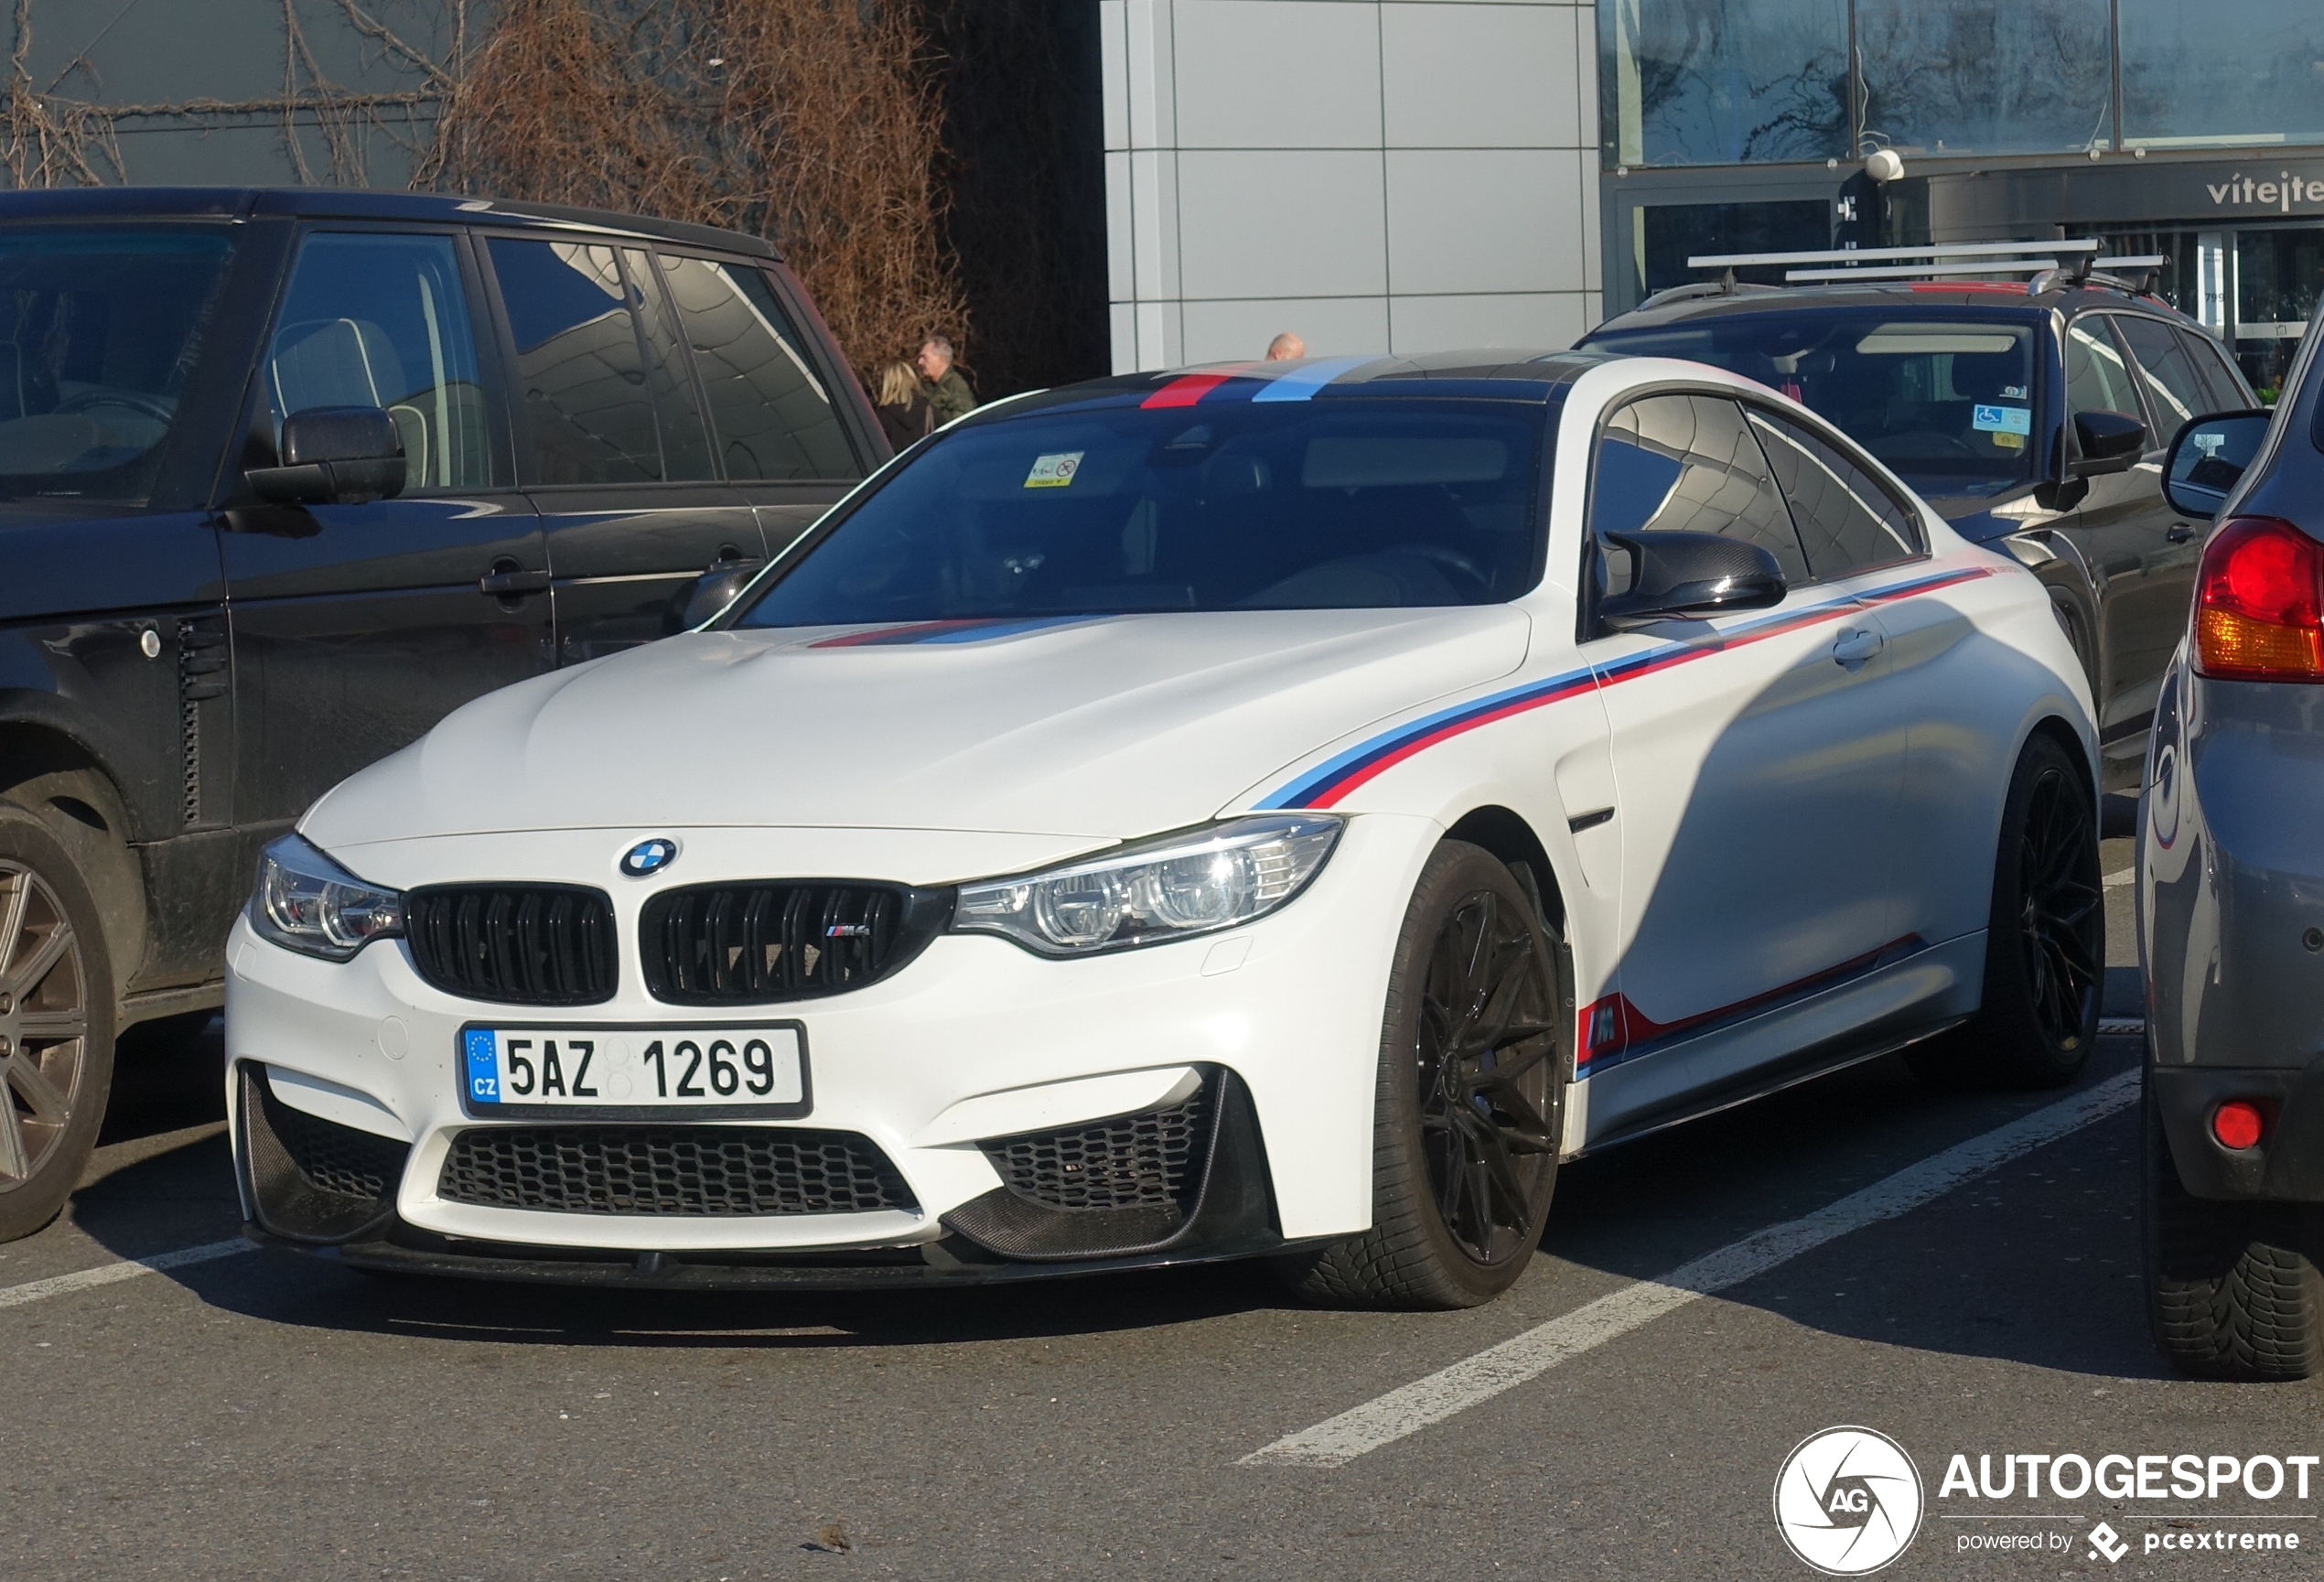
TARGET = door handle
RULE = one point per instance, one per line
(513, 582)
(1856, 645)
(2179, 533)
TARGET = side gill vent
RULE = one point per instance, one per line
(201, 676)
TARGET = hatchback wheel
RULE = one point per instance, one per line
(2045, 938)
(2232, 1290)
(1470, 1102)
(56, 1027)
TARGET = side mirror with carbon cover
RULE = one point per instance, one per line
(334, 456)
(1693, 574)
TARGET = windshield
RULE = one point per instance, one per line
(98, 332)
(1948, 405)
(1341, 504)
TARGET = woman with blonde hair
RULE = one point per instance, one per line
(904, 412)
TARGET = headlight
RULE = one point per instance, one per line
(1168, 888)
(307, 903)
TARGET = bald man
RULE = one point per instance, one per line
(1285, 347)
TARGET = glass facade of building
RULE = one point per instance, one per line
(1689, 83)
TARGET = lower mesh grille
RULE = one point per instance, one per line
(1149, 1160)
(335, 1159)
(712, 1171)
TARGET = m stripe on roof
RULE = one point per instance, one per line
(1301, 383)
(1188, 388)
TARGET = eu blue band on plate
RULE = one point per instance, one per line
(2002, 419)
(484, 1067)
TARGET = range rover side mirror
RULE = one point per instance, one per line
(2207, 459)
(2110, 442)
(334, 456)
(1691, 575)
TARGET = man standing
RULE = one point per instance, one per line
(1286, 348)
(948, 392)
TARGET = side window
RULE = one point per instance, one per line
(685, 443)
(589, 402)
(2223, 389)
(372, 319)
(2175, 391)
(2097, 380)
(1848, 522)
(772, 418)
(1687, 463)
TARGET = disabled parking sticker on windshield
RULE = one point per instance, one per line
(1054, 472)
(2018, 420)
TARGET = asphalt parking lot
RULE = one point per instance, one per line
(252, 1416)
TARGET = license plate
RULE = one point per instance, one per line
(697, 1071)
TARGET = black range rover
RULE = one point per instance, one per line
(2034, 417)
(287, 476)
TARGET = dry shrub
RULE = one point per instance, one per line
(813, 121)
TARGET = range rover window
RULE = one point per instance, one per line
(773, 415)
(1329, 504)
(375, 320)
(596, 408)
(99, 328)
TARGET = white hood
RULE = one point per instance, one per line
(1107, 728)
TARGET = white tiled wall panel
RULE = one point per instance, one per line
(1376, 174)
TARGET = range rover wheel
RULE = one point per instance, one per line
(56, 1027)
(2045, 939)
(1470, 1102)
(2232, 1290)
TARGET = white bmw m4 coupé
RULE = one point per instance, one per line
(1269, 811)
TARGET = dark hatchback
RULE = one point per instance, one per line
(2035, 421)
(287, 476)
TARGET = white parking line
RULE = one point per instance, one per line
(128, 1269)
(1413, 1406)
(2121, 877)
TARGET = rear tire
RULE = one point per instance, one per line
(2045, 939)
(1470, 1102)
(55, 1024)
(2232, 1289)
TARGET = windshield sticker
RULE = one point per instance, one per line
(1057, 471)
(2008, 441)
(2014, 392)
(2000, 420)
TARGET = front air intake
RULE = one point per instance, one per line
(514, 944)
(713, 1172)
(757, 943)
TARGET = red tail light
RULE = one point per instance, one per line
(2259, 603)
(2237, 1124)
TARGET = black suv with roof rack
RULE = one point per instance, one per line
(2033, 416)
(287, 476)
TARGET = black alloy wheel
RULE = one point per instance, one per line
(2045, 938)
(1469, 1108)
(2061, 926)
(44, 1025)
(1482, 1076)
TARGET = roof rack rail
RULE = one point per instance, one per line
(1728, 286)
(1946, 261)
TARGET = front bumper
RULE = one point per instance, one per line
(975, 1040)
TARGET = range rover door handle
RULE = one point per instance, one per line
(2178, 533)
(509, 580)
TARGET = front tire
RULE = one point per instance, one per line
(2045, 938)
(2233, 1291)
(1470, 1102)
(55, 1025)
